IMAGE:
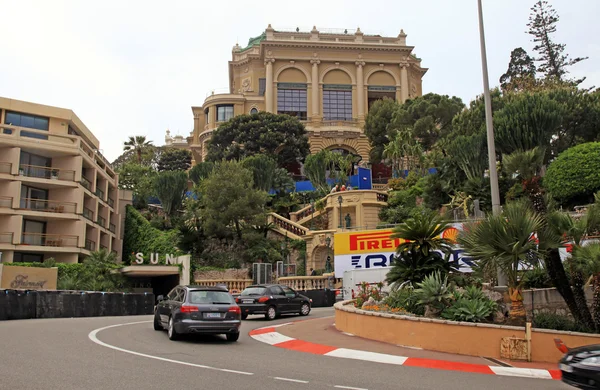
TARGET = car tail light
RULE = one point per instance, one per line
(188, 309)
(235, 309)
(238, 300)
(263, 299)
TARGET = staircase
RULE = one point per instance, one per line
(286, 227)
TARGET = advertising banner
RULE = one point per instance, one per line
(27, 278)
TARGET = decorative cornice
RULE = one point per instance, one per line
(269, 60)
(360, 63)
(346, 46)
(315, 61)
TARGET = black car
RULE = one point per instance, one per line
(272, 300)
(198, 309)
(580, 367)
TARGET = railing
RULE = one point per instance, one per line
(380, 187)
(340, 123)
(101, 221)
(6, 238)
(46, 172)
(288, 225)
(218, 91)
(103, 247)
(50, 206)
(112, 227)
(5, 167)
(305, 212)
(111, 202)
(90, 245)
(86, 183)
(233, 285)
(99, 193)
(92, 152)
(57, 240)
(87, 213)
(382, 197)
(304, 283)
(27, 133)
(6, 202)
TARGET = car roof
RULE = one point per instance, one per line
(206, 288)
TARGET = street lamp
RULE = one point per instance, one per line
(283, 255)
(340, 200)
(328, 260)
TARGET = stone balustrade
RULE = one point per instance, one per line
(303, 283)
(233, 285)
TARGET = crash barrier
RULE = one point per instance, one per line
(320, 298)
(21, 304)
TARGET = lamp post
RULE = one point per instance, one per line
(490, 130)
(283, 255)
(340, 200)
(328, 260)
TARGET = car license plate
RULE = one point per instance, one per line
(248, 301)
(212, 315)
(566, 368)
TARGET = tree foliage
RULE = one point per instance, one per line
(575, 173)
(280, 137)
(139, 179)
(170, 188)
(201, 171)
(263, 170)
(172, 159)
(553, 61)
(139, 145)
(376, 126)
(520, 73)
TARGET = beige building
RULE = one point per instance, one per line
(326, 79)
(59, 196)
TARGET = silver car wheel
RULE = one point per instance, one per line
(305, 309)
(272, 313)
(170, 329)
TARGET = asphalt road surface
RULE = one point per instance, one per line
(126, 353)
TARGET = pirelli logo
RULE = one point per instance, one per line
(370, 241)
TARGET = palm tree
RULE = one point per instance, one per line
(137, 144)
(527, 166)
(587, 259)
(504, 241)
(419, 253)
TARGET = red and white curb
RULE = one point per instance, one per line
(270, 336)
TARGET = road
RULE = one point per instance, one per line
(126, 353)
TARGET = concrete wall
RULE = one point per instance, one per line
(462, 338)
(548, 300)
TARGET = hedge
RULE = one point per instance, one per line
(140, 236)
(575, 172)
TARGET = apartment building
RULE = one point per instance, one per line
(59, 196)
(326, 78)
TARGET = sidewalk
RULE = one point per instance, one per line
(319, 336)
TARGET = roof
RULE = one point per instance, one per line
(255, 41)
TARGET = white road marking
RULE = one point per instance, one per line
(369, 356)
(289, 380)
(93, 336)
(271, 338)
(522, 372)
(349, 388)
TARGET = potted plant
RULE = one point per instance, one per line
(55, 174)
(21, 171)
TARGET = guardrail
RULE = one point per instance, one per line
(86, 183)
(305, 283)
(49, 240)
(288, 225)
(89, 214)
(90, 245)
(237, 285)
(50, 206)
(46, 172)
(6, 202)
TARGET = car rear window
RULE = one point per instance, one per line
(254, 291)
(210, 297)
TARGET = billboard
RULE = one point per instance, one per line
(27, 278)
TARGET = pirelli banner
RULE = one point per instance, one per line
(375, 248)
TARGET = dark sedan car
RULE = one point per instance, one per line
(197, 309)
(272, 300)
(580, 367)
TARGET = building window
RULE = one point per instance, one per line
(33, 165)
(34, 198)
(291, 99)
(253, 111)
(224, 113)
(29, 121)
(72, 131)
(34, 232)
(24, 257)
(207, 116)
(337, 102)
(262, 84)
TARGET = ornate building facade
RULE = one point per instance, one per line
(326, 79)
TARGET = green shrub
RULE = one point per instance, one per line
(469, 310)
(434, 291)
(474, 293)
(463, 280)
(575, 173)
(65, 270)
(558, 322)
(406, 299)
(536, 278)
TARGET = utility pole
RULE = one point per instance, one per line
(489, 124)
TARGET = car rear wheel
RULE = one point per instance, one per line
(233, 336)
(157, 324)
(304, 309)
(271, 313)
(171, 330)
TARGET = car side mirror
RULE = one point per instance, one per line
(160, 298)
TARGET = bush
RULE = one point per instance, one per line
(461, 280)
(368, 291)
(575, 173)
(406, 299)
(470, 310)
(434, 291)
(536, 278)
(558, 322)
(65, 270)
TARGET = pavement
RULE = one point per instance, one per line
(126, 353)
(320, 337)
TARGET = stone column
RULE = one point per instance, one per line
(315, 89)
(269, 85)
(360, 89)
(404, 81)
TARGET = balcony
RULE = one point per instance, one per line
(46, 173)
(99, 193)
(5, 167)
(112, 227)
(50, 206)
(111, 202)
(89, 214)
(54, 240)
(90, 245)
(86, 183)
(103, 247)
(6, 202)
(16, 133)
(6, 238)
(340, 123)
(101, 221)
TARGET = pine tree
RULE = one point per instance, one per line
(553, 63)
(520, 73)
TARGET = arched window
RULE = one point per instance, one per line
(253, 111)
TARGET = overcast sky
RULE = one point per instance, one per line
(136, 67)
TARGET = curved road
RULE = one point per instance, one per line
(125, 352)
